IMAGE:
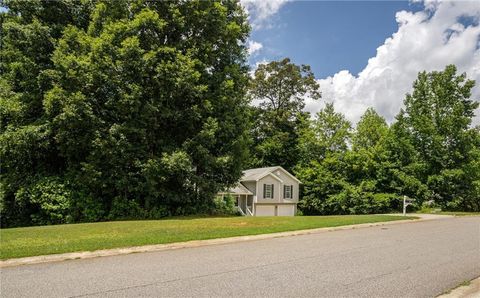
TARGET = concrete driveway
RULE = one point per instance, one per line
(419, 259)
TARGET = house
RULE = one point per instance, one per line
(268, 191)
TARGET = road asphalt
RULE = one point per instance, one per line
(418, 259)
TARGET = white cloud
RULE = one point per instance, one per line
(253, 47)
(260, 11)
(254, 67)
(425, 40)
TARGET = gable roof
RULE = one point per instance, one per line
(238, 189)
(256, 174)
(271, 175)
(259, 173)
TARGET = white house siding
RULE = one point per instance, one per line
(287, 180)
(255, 179)
(277, 190)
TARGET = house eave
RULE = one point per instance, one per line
(235, 193)
(271, 174)
(290, 175)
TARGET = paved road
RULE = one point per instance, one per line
(420, 259)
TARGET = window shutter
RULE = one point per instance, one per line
(272, 191)
(284, 191)
(264, 190)
(291, 191)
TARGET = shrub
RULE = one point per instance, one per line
(85, 208)
(225, 205)
(158, 212)
(123, 208)
(48, 200)
(385, 202)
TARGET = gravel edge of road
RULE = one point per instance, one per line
(471, 290)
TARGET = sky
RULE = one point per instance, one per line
(367, 53)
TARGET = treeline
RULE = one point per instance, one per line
(141, 109)
(430, 153)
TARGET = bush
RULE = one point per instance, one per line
(85, 208)
(47, 199)
(225, 205)
(123, 208)
(158, 212)
(352, 200)
(385, 202)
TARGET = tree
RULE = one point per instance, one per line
(332, 130)
(131, 109)
(439, 113)
(323, 143)
(367, 161)
(329, 132)
(437, 119)
(280, 87)
(371, 130)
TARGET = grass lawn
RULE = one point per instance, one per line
(43, 240)
(456, 213)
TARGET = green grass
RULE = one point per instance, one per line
(459, 213)
(465, 283)
(43, 240)
(456, 213)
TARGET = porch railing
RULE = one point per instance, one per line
(241, 211)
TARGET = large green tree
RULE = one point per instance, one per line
(370, 131)
(367, 159)
(322, 145)
(329, 132)
(120, 109)
(279, 88)
(436, 122)
(345, 170)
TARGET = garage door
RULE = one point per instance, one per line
(286, 210)
(265, 210)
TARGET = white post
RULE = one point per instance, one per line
(404, 205)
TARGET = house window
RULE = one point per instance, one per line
(288, 191)
(268, 191)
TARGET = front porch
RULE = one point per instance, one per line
(243, 199)
(244, 204)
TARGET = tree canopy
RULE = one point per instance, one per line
(430, 153)
(120, 109)
(436, 122)
(146, 109)
(279, 88)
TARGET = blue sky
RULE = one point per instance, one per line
(367, 53)
(327, 35)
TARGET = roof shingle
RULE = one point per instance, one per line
(255, 174)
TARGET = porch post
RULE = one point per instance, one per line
(246, 204)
